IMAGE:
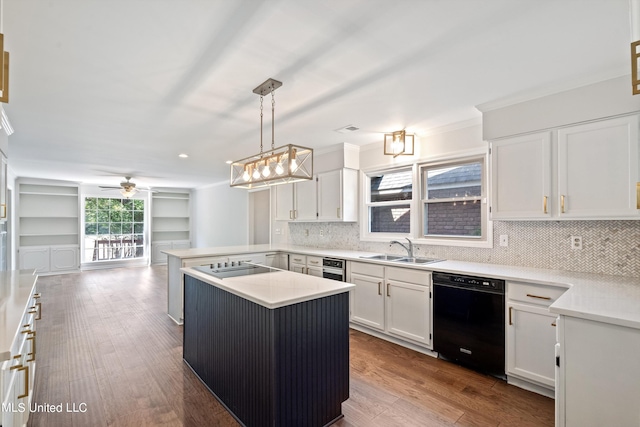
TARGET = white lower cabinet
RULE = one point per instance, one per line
(277, 260)
(311, 265)
(157, 248)
(599, 372)
(367, 301)
(531, 335)
(49, 259)
(17, 374)
(531, 339)
(396, 301)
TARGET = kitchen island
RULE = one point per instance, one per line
(272, 347)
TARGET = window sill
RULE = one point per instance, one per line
(431, 242)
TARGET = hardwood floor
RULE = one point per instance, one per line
(109, 354)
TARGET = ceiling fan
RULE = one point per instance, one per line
(127, 188)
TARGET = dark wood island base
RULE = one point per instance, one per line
(287, 366)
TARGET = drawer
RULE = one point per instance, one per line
(367, 269)
(534, 293)
(314, 261)
(409, 275)
(298, 259)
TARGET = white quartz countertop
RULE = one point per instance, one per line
(605, 298)
(16, 287)
(275, 289)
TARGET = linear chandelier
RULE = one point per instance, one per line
(281, 165)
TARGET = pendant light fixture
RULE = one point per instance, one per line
(281, 165)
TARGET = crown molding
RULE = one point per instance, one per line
(549, 90)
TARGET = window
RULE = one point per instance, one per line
(389, 202)
(452, 200)
(113, 228)
(436, 203)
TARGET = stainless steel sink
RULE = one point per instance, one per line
(383, 257)
(417, 260)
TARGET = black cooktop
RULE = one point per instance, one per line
(235, 271)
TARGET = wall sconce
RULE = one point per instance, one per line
(398, 143)
(635, 67)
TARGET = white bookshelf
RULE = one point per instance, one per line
(170, 223)
(48, 226)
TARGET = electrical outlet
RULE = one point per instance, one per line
(504, 240)
(576, 242)
(321, 233)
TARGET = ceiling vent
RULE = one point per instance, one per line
(347, 129)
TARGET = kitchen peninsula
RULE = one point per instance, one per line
(273, 347)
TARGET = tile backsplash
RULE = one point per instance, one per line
(608, 247)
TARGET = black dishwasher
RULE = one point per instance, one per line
(468, 321)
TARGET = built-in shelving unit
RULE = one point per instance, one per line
(170, 223)
(48, 224)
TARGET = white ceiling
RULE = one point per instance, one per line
(102, 89)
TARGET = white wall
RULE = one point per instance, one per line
(220, 216)
(449, 142)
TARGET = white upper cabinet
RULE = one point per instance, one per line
(598, 169)
(284, 202)
(330, 196)
(586, 171)
(529, 159)
(305, 200)
(338, 195)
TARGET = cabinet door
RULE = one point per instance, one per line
(408, 311)
(598, 169)
(531, 340)
(297, 268)
(314, 271)
(521, 177)
(181, 244)
(330, 196)
(305, 201)
(367, 301)
(64, 258)
(36, 257)
(156, 251)
(284, 202)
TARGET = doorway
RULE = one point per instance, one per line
(260, 217)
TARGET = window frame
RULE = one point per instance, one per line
(482, 198)
(367, 204)
(416, 205)
(90, 192)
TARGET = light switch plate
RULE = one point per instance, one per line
(504, 240)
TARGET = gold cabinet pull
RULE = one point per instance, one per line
(313, 262)
(510, 316)
(637, 195)
(338, 212)
(538, 296)
(544, 204)
(562, 203)
(39, 307)
(37, 295)
(26, 381)
(388, 290)
(379, 288)
(290, 214)
(554, 324)
(33, 348)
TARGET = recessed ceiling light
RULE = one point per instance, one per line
(183, 155)
(229, 162)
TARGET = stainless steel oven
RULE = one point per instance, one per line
(334, 269)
